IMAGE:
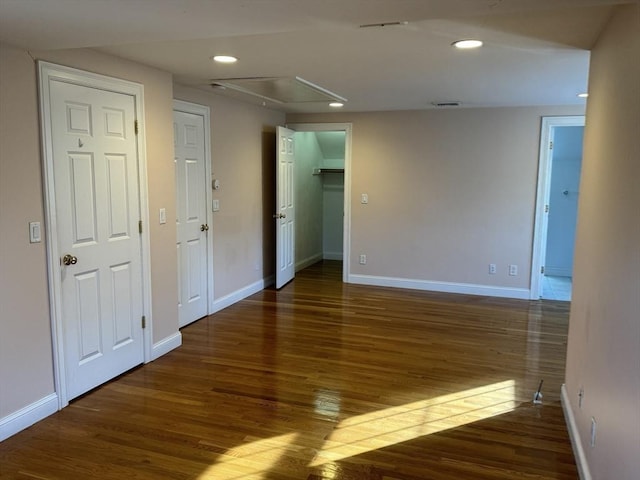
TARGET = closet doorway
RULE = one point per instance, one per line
(322, 186)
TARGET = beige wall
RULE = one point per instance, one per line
(25, 334)
(243, 160)
(25, 329)
(450, 191)
(604, 336)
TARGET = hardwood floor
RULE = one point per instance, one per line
(324, 380)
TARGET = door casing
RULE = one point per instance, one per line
(47, 73)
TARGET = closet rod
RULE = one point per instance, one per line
(321, 171)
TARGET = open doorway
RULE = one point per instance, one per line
(557, 207)
(322, 159)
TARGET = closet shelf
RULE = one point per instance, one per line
(322, 171)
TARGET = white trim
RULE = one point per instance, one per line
(307, 262)
(348, 129)
(165, 345)
(332, 256)
(542, 196)
(242, 293)
(574, 435)
(27, 416)
(48, 72)
(445, 287)
(205, 112)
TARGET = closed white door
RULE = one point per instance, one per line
(286, 214)
(191, 216)
(95, 165)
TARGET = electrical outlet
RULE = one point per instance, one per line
(363, 259)
(492, 269)
(513, 270)
(593, 432)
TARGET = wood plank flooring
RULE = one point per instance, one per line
(323, 380)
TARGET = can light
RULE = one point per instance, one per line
(467, 44)
(583, 95)
(224, 59)
(336, 104)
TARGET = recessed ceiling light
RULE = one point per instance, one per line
(336, 104)
(583, 95)
(466, 44)
(224, 59)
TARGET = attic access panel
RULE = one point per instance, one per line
(280, 89)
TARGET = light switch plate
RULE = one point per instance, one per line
(163, 216)
(35, 233)
(364, 199)
(215, 205)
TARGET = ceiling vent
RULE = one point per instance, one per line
(279, 89)
(445, 104)
(384, 24)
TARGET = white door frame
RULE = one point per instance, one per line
(205, 112)
(49, 72)
(347, 128)
(542, 195)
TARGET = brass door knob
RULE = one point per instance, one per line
(280, 215)
(69, 260)
(204, 227)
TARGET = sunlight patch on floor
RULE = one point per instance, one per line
(260, 458)
(254, 459)
(383, 428)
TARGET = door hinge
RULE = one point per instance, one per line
(541, 269)
(135, 126)
(144, 321)
(139, 226)
(546, 209)
(550, 143)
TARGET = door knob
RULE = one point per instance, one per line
(69, 260)
(204, 227)
(280, 215)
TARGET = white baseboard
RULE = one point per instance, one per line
(574, 435)
(27, 416)
(307, 262)
(233, 297)
(446, 287)
(165, 345)
(557, 271)
(332, 256)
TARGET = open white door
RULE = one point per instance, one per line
(286, 214)
(94, 200)
(191, 213)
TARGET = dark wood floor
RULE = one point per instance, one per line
(323, 380)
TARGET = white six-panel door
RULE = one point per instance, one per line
(191, 216)
(285, 216)
(95, 168)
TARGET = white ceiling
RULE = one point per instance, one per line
(535, 53)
